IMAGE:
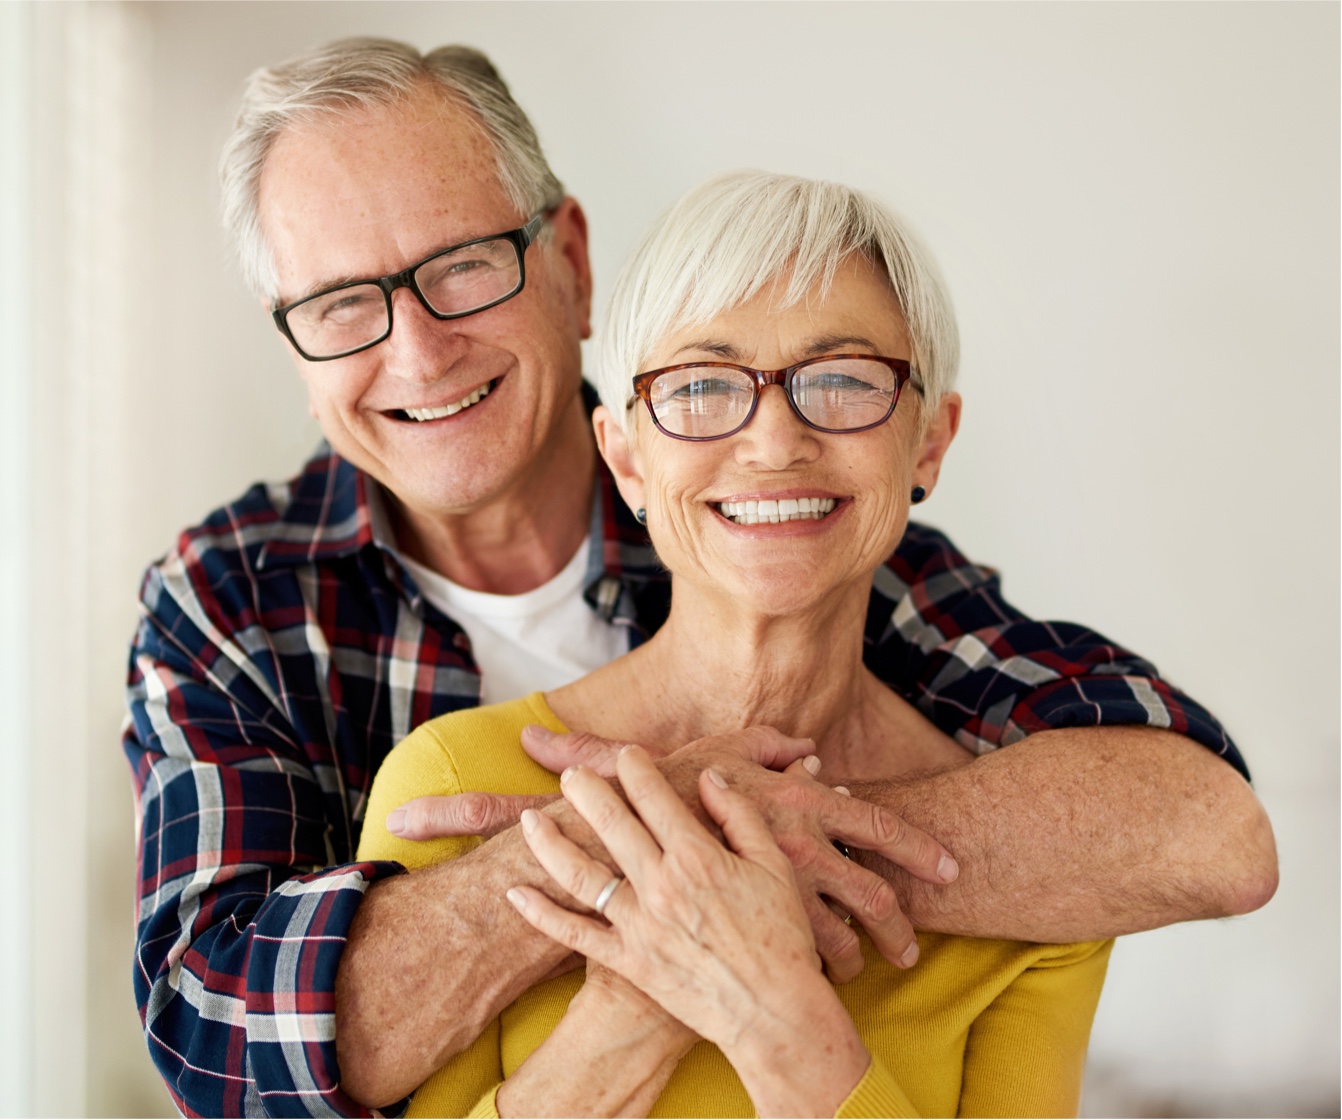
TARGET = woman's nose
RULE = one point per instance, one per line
(776, 438)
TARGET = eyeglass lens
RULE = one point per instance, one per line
(701, 402)
(453, 283)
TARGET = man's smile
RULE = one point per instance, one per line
(439, 412)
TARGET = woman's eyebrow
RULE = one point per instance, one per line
(716, 346)
(812, 348)
(835, 343)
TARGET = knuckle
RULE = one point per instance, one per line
(803, 852)
(604, 815)
(637, 789)
(475, 811)
(886, 827)
(572, 880)
(591, 747)
(878, 901)
(835, 941)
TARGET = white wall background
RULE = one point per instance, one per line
(1136, 206)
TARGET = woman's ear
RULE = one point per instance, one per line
(936, 441)
(621, 458)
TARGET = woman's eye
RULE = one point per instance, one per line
(709, 386)
(838, 383)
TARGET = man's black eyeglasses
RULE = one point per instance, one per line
(450, 283)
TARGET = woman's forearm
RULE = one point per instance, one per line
(801, 1057)
(611, 1055)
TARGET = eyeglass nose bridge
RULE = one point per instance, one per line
(783, 379)
(404, 279)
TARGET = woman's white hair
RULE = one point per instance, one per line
(729, 238)
(354, 74)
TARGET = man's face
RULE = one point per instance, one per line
(367, 193)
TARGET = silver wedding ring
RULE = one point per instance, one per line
(607, 893)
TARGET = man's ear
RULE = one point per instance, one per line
(936, 441)
(620, 457)
(569, 225)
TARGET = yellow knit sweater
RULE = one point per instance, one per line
(976, 1028)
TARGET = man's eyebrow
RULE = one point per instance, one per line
(331, 282)
(328, 283)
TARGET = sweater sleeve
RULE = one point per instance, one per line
(1027, 1050)
(419, 765)
(487, 1107)
(877, 1094)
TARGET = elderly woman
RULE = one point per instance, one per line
(776, 385)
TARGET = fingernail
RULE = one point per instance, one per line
(625, 749)
(910, 957)
(843, 790)
(396, 822)
(947, 869)
(716, 778)
(567, 774)
(811, 764)
(529, 820)
(536, 731)
(517, 898)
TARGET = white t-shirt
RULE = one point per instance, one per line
(531, 642)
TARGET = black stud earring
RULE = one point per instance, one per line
(918, 494)
(641, 515)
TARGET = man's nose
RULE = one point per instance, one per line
(420, 346)
(776, 438)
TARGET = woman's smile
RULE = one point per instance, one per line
(777, 510)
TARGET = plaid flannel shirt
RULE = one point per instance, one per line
(283, 650)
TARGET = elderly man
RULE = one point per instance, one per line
(458, 537)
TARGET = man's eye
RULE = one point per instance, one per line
(343, 307)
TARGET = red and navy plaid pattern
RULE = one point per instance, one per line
(283, 650)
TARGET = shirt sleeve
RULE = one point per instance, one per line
(243, 906)
(1026, 1053)
(940, 632)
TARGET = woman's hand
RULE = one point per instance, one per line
(715, 935)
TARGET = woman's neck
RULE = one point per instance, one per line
(715, 667)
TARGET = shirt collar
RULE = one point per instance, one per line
(327, 514)
(334, 510)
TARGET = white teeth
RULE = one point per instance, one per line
(775, 512)
(448, 409)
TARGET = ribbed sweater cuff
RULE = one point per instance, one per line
(877, 1094)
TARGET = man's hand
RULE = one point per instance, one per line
(488, 814)
(804, 816)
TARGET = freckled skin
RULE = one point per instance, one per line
(365, 194)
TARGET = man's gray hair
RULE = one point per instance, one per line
(354, 74)
(738, 233)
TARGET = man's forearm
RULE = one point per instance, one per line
(432, 957)
(1084, 833)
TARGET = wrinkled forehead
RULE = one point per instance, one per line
(367, 190)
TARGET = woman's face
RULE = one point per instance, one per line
(864, 477)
